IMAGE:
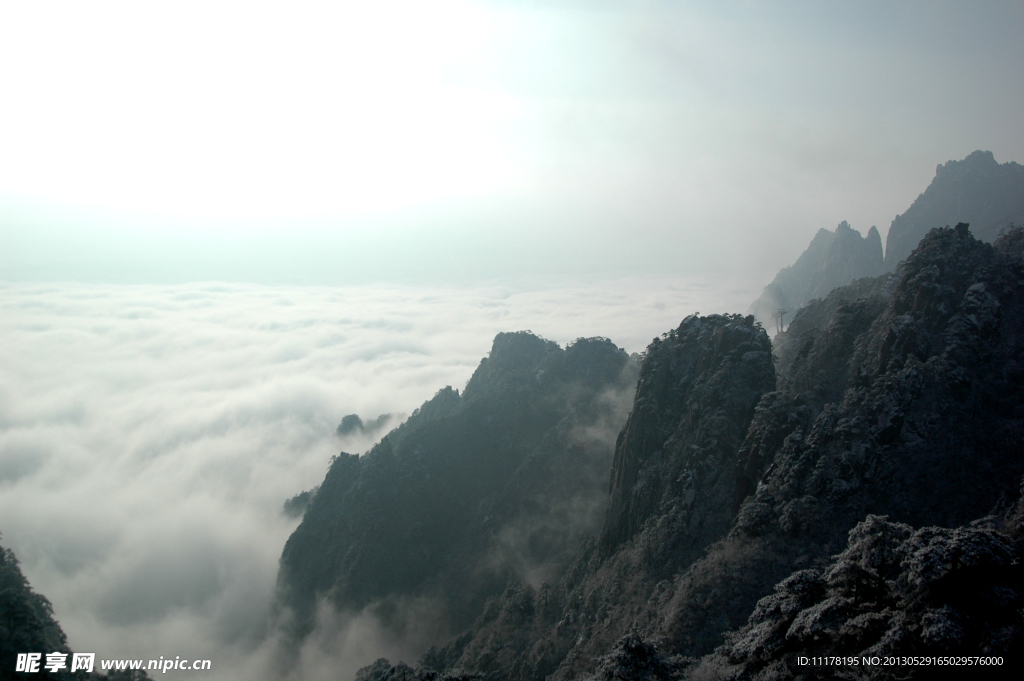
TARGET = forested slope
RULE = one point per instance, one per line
(869, 504)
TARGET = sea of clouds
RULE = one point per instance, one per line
(149, 435)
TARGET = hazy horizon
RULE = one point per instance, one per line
(351, 143)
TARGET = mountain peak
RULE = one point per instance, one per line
(975, 159)
(976, 190)
(832, 259)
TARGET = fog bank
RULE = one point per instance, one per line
(149, 435)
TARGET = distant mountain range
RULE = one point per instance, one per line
(832, 260)
(977, 191)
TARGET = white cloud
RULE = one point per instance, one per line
(149, 435)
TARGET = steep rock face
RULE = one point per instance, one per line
(696, 396)
(977, 190)
(502, 481)
(931, 408)
(898, 397)
(928, 432)
(833, 259)
(673, 491)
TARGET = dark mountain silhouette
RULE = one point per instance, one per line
(977, 190)
(27, 626)
(502, 481)
(832, 259)
(865, 501)
(672, 497)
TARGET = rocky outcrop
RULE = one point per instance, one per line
(869, 504)
(673, 492)
(636, 659)
(977, 190)
(503, 481)
(675, 457)
(927, 431)
(351, 424)
(833, 259)
(892, 592)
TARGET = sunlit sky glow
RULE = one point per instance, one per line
(252, 141)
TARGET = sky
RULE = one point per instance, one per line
(224, 226)
(461, 141)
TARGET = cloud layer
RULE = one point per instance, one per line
(150, 434)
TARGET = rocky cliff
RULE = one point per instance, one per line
(872, 505)
(503, 481)
(977, 190)
(672, 495)
(893, 592)
(833, 259)
(911, 476)
(696, 396)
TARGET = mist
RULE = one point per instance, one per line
(151, 435)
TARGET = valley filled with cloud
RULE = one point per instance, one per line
(150, 434)
(226, 226)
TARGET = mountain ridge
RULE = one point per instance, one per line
(832, 259)
(897, 415)
(459, 498)
(976, 190)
